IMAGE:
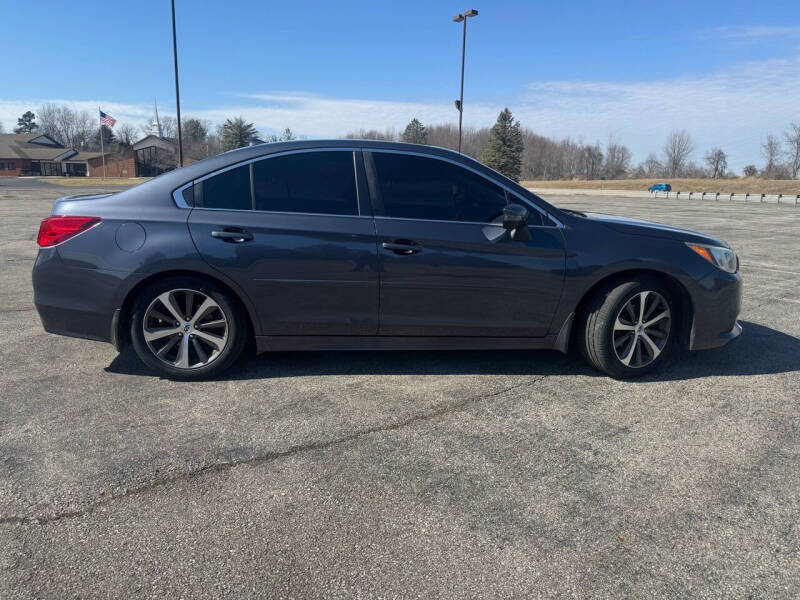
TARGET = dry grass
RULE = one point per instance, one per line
(740, 185)
(92, 181)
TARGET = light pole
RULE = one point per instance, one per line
(462, 17)
(177, 89)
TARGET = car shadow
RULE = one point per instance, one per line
(759, 351)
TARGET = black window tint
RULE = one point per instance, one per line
(308, 182)
(415, 187)
(230, 190)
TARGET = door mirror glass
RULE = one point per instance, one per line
(514, 217)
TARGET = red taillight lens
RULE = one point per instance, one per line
(59, 228)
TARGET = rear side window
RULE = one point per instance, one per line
(416, 187)
(229, 190)
(307, 182)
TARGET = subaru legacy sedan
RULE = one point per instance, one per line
(345, 245)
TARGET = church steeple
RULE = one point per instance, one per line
(155, 126)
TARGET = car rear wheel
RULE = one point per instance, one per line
(187, 328)
(629, 329)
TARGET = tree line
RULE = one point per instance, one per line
(518, 152)
(81, 131)
(507, 146)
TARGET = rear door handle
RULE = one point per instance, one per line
(404, 247)
(233, 236)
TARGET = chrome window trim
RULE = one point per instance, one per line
(481, 223)
(285, 212)
(526, 202)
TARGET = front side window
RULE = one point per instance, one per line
(416, 187)
(321, 182)
(228, 190)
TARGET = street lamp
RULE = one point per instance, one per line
(462, 17)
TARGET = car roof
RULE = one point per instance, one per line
(179, 177)
(172, 180)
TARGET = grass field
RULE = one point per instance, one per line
(742, 185)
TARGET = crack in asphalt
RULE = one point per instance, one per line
(263, 458)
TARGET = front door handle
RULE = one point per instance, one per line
(403, 247)
(232, 235)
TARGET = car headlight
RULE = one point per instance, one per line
(724, 258)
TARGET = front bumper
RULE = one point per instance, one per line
(717, 300)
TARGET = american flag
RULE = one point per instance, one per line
(107, 120)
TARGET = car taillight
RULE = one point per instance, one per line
(59, 228)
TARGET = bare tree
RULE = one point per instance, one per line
(126, 135)
(389, 135)
(677, 149)
(653, 166)
(639, 172)
(592, 161)
(771, 151)
(286, 136)
(717, 162)
(792, 137)
(618, 160)
(71, 128)
(750, 171)
(169, 127)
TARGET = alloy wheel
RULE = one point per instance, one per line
(641, 329)
(185, 328)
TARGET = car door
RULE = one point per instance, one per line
(289, 230)
(448, 268)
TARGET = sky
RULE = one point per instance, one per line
(728, 71)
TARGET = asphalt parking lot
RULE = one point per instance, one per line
(451, 474)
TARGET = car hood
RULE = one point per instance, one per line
(648, 228)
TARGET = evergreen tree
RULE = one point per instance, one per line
(26, 123)
(236, 133)
(194, 130)
(415, 133)
(108, 138)
(503, 151)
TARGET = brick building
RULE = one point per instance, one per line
(38, 154)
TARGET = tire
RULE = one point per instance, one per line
(616, 340)
(204, 342)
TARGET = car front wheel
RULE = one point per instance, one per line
(629, 329)
(187, 328)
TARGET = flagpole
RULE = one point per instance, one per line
(102, 151)
(177, 89)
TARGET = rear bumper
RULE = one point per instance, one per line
(72, 301)
(717, 301)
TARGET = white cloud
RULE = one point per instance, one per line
(733, 108)
(749, 33)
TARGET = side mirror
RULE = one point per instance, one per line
(514, 217)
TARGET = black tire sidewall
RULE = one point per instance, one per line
(237, 327)
(597, 344)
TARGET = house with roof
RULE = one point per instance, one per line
(39, 154)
